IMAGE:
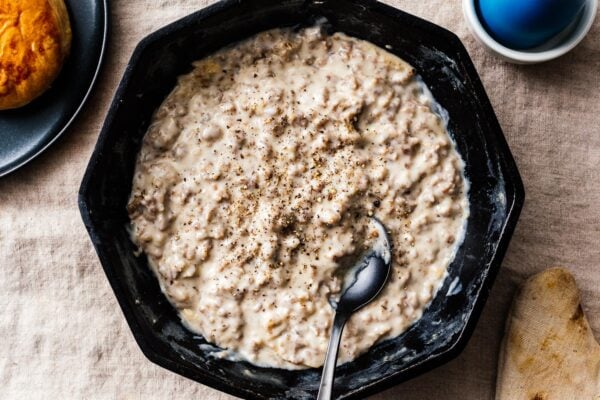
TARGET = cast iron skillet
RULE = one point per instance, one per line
(496, 194)
(28, 131)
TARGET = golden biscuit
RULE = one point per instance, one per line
(35, 38)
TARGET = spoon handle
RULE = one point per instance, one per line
(326, 386)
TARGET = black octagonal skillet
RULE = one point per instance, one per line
(496, 194)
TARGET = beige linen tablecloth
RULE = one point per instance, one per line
(62, 334)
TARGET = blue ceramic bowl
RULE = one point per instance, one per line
(556, 46)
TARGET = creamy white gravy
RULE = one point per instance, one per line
(256, 179)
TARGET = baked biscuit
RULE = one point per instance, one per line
(35, 39)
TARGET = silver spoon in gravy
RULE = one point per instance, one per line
(362, 284)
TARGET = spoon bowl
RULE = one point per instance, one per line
(368, 277)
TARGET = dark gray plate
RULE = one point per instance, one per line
(27, 131)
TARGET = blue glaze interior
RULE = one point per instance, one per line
(525, 24)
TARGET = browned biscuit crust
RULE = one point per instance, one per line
(35, 38)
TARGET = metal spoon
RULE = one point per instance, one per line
(362, 284)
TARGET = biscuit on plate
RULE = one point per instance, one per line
(35, 39)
